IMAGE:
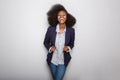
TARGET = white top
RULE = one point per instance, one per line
(58, 57)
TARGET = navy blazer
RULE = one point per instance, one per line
(49, 41)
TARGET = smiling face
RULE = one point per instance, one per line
(62, 16)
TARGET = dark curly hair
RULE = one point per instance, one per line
(52, 16)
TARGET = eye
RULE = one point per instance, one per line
(58, 15)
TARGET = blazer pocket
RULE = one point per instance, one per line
(67, 58)
(49, 57)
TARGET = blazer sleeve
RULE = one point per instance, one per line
(72, 38)
(47, 39)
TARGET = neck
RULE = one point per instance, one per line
(62, 26)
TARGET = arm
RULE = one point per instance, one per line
(72, 39)
(69, 47)
(47, 39)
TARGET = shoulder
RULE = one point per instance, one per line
(71, 29)
(51, 28)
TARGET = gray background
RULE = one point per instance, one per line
(96, 55)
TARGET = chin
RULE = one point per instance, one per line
(61, 22)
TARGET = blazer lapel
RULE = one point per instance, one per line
(66, 36)
(54, 36)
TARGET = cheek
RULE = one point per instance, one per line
(58, 17)
(65, 17)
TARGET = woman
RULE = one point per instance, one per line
(59, 40)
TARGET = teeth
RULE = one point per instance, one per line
(61, 19)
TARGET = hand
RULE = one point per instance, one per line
(65, 48)
(52, 48)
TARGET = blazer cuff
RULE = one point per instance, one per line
(50, 50)
(69, 49)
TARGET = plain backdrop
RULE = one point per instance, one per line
(96, 55)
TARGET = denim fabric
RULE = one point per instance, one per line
(57, 71)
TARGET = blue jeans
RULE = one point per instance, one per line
(57, 71)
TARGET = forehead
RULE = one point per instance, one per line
(61, 12)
